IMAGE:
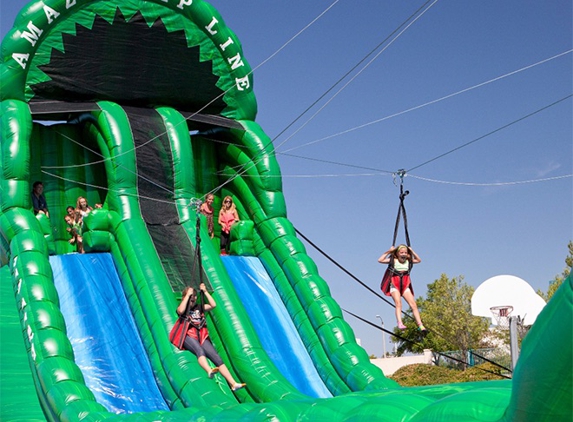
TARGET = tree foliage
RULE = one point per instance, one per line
(558, 281)
(446, 313)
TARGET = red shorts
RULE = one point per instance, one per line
(400, 281)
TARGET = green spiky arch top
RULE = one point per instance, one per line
(188, 59)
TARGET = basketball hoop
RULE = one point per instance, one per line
(501, 315)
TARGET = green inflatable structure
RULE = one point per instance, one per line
(147, 106)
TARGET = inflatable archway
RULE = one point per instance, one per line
(155, 106)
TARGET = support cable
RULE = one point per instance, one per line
(429, 102)
(492, 132)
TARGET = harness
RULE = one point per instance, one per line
(403, 276)
(391, 271)
(198, 331)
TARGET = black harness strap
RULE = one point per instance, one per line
(402, 210)
(197, 262)
(401, 213)
(198, 259)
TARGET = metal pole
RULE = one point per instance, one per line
(383, 336)
(513, 341)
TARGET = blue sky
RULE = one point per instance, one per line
(467, 213)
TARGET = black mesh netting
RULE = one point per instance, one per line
(133, 64)
(156, 192)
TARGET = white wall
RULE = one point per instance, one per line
(390, 365)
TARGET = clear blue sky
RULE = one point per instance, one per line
(461, 221)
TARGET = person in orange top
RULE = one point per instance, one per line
(227, 216)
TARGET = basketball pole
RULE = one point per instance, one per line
(514, 350)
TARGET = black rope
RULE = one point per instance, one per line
(378, 327)
(342, 268)
(438, 353)
(475, 354)
(402, 210)
(198, 258)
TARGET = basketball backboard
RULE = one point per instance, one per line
(507, 290)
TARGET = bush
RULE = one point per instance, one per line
(423, 374)
(481, 372)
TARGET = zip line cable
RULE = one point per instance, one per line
(378, 172)
(521, 182)
(295, 36)
(491, 133)
(246, 167)
(408, 24)
(353, 77)
(335, 163)
(464, 145)
(430, 102)
(333, 175)
(467, 144)
(252, 163)
(349, 72)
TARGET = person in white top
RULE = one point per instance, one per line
(396, 281)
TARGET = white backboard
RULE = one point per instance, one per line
(509, 290)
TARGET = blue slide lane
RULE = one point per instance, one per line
(273, 324)
(104, 337)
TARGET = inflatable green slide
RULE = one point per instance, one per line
(144, 107)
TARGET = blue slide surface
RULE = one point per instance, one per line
(273, 324)
(104, 337)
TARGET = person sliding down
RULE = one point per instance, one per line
(396, 281)
(190, 333)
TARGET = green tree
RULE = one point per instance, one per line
(446, 313)
(558, 281)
